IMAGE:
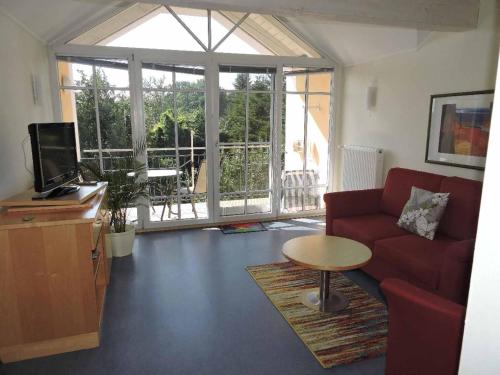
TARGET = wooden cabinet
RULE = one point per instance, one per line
(53, 277)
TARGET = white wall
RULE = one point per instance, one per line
(445, 63)
(21, 56)
(480, 352)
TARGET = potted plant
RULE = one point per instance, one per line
(126, 187)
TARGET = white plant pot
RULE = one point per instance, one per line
(121, 244)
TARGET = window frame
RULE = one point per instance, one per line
(211, 62)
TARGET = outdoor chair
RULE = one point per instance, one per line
(199, 187)
(294, 191)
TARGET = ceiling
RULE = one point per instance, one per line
(47, 22)
(347, 43)
(354, 43)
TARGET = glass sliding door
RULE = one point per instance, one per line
(256, 165)
(174, 120)
(305, 139)
(246, 107)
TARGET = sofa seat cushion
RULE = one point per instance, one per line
(367, 228)
(417, 257)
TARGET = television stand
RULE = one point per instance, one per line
(54, 272)
(25, 199)
(57, 192)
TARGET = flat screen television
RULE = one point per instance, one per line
(55, 161)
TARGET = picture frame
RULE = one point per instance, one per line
(458, 130)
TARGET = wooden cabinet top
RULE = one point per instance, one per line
(85, 213)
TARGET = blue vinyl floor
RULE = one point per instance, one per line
(184, 304)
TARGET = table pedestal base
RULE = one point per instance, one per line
(336, 301)
(323, 299)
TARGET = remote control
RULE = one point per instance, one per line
(87, 183)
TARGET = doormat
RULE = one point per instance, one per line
(242, 228)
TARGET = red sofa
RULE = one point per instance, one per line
(442, 265)
(425, 331)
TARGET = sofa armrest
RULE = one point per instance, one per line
(455, 271)
(351, 203)
(425, 330)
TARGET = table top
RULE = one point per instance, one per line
(152, 173)
(327, 253)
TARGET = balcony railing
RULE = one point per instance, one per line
(232, 165)
(233, 181)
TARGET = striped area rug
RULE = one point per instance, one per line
(357, 333)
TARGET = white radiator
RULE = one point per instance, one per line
(362, 167)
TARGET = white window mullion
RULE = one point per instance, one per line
(186, 27)
(276, 141)
(304, 166)
(212, 138)
(236, 25)
(97, 117)
(138, 129)
(177, 159)
(247, 107)
(209, 25)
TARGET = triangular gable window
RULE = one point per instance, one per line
(184, 29)
(161, 31)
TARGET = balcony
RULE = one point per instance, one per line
(169, 201)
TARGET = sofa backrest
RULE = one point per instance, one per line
(398, 187)
(462, 211)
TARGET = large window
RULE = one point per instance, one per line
(234, 109)
(95, 95)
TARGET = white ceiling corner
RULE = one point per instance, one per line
(49, 19)
(354, 43)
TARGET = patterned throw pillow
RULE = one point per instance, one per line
(422, 212)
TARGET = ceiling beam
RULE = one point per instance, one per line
(438, 15)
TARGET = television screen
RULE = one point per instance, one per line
(54, 154)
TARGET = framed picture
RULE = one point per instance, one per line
(459, 128)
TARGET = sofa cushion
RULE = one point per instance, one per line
(398, 186)
(460, 217)
(415, 256)
(367, 228)
(422, 212)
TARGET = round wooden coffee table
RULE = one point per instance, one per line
(326, 253)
